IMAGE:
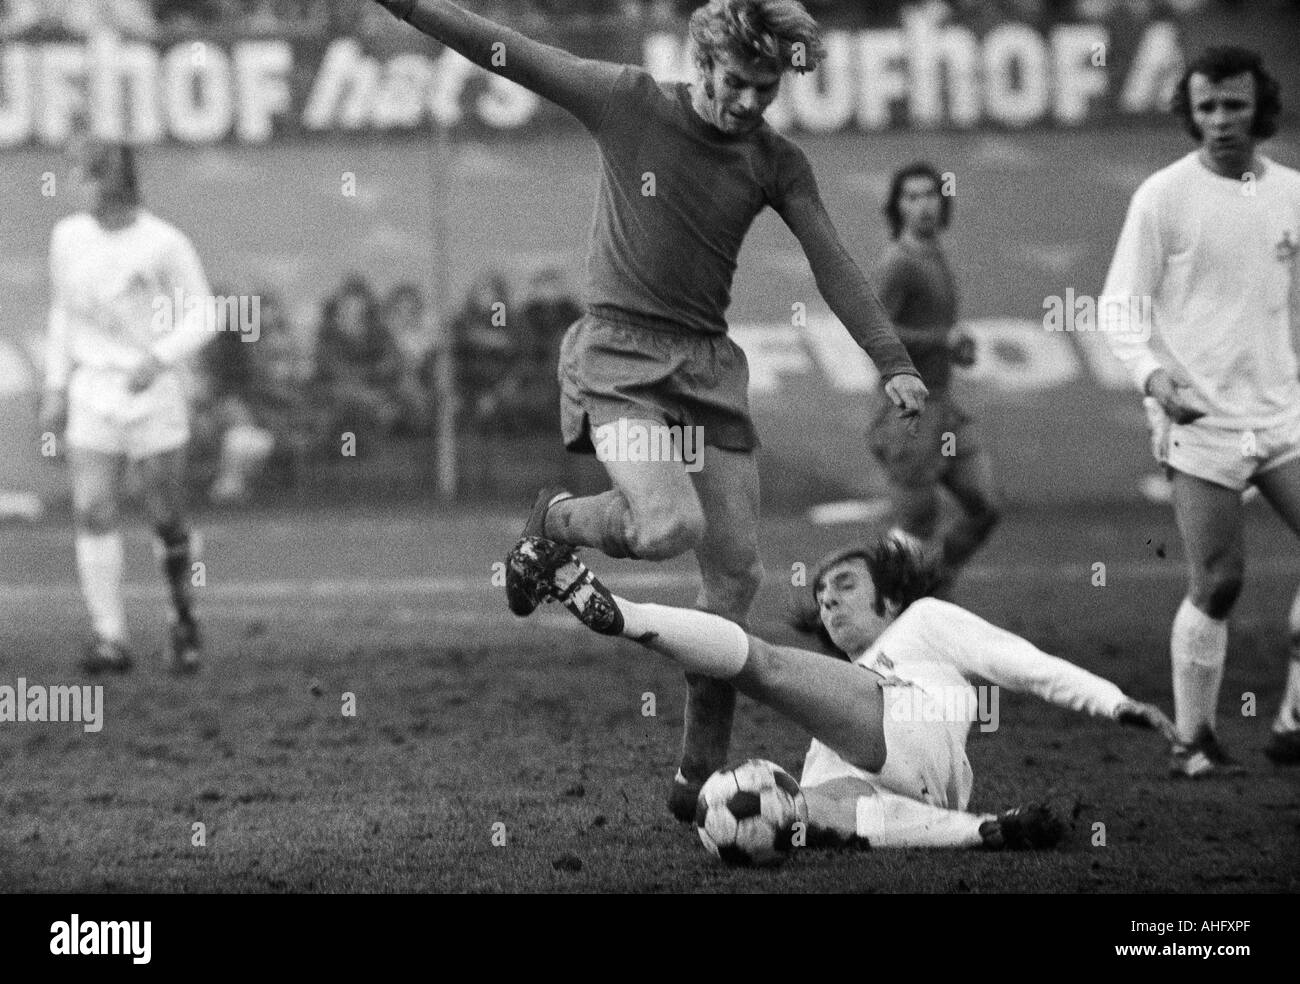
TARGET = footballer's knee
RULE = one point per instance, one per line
(162, 506)
(96, 517)
(172, 530)
(729, 589)
(163, 515)
(1218, 586)
(863, 750)
(667, 534)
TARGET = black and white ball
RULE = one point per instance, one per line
(748, 814)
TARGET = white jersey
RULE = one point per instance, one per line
(930, 656)
(1217, 257)
(121, 295)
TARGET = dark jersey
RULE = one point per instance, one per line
(677, 195)
(919, 292)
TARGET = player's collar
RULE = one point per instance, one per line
(1260, 167)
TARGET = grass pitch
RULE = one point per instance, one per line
(470, 723)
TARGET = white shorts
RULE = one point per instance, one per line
(1227, 456)
(924, 760)
(104, 416)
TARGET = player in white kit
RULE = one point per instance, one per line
(1201, 303)
(121, 329)
(888, 760)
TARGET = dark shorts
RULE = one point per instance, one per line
(919, 460)
(611, 371)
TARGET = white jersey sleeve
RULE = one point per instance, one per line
(1135, 273)
(184, 276)
(1202, 284)
(979, 649)
(58, 353)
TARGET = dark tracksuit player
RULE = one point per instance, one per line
(942, 447)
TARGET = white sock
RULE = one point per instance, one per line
(701, 642)
(246, 448)
(1288, 715)
(889, 820)
(99, 564)
(1198, 647)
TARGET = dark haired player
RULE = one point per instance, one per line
(942, 446)
(686, 169)
(1212, 241)
(876, 769)
(114, 380)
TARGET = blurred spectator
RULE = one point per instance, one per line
(415, 338)
(189, 14)
(357, 365)
(252, 408)
(486, 349)
(82, 18)
(548, 309)
(278, 17)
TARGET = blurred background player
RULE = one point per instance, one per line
(117, 348)
(358, 365)
(941, 447)
(1212, 241)
(686, 168)
(252, 406)
(888, 758)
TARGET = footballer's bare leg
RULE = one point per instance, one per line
(652, 512)
(1210, 521)
(730, 575)
(163, 479)
(839, 703)
(972, 484)
(96, 478)
(1280, 486)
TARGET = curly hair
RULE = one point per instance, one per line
(779, 34)
(1221, 62)
(920, 169)
(900, 570)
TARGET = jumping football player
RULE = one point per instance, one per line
(941, 447)
(686, 168)
(878, 769)
(1210, 245)
(116, 349)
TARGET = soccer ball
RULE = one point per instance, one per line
(746, 815)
